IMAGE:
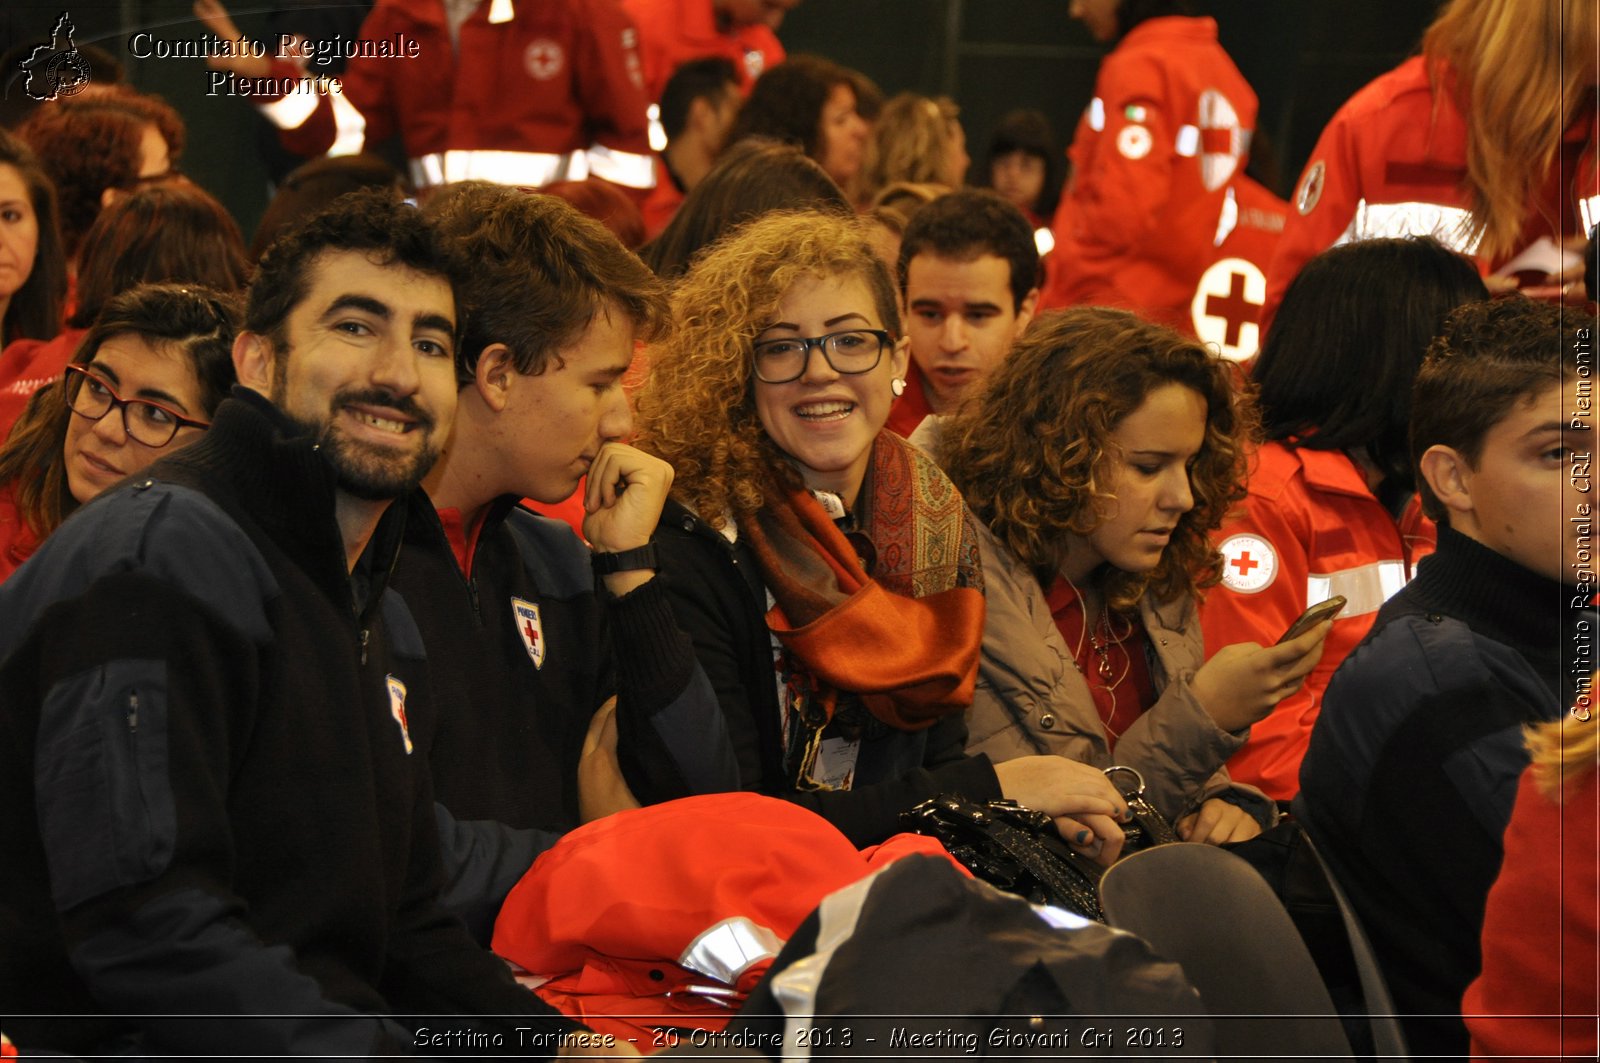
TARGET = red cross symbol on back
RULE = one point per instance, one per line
(1234, 309)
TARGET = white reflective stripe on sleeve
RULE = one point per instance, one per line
(1366, 587)
(350, 128)
(624, 168)
(1589, 212)
(658, 132)
(1451, 226)
(795, 988)
(1097, 114)
(290, 112)
(533, 169)
(730, 948)
(1188, 143)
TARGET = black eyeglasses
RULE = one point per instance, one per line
(151, 423)
(849, 352)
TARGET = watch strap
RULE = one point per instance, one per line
(625, 560)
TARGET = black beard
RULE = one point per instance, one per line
(373, 473)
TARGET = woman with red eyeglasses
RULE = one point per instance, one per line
(145, 380)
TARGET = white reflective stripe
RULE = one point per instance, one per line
(1097, 114)
(1451, 226)
(624, 168)
(290, 112)
(1044, 241)
(728, 949)
(500, 12)
(1227, 219)
(658, 132)
(1589, 211)
(1188, 144)
(350, 128)
(795, 988)
(1366, 587)
(531, 168)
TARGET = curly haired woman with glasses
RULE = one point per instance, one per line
(147, 377)
(825, 569)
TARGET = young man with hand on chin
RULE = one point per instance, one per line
(566, 688)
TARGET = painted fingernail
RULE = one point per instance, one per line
(1083, 837)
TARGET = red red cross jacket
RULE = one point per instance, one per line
(537, 92)
(1169, 125)
(1391, 163)
(1227, 302)
(676, 910)
(1310, 529)
(672, 32)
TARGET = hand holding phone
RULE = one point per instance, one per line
(1312, 617)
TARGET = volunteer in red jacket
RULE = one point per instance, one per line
(1486, 141)
(1169, 125)
(511, 91)
(1331, 509)
(672, 32)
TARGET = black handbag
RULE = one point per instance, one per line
(1018, 850)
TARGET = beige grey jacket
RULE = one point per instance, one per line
(1031, 699)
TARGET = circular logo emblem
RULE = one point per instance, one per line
(1310, 190)
(1134, 142)
(543, 59)
(67, 74)
(1226, 306)
(1249, 563)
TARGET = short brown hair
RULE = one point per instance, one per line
(1490, 356)
(535, 272)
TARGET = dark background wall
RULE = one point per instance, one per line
(1304, 58)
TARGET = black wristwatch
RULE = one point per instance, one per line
(626, 560)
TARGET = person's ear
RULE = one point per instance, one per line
(495, 375)
(900, 357)
(1449, 477)
(254, 361)
(1025, 312)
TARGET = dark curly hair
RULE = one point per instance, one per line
(1036, 472)
(786, 102)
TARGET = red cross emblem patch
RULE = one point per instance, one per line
(526, 616)
(397, 709)
(544, 59)
(1249, 563)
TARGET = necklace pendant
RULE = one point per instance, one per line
(1105, 668)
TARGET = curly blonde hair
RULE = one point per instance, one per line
(1037, 470)
(697, 410)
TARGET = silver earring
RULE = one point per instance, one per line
(898, 386)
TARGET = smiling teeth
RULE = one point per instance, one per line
(824, 411)
(382, 423)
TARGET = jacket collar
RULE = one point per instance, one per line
(259, 465)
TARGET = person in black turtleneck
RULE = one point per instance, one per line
(1413, 764)
(214, 794)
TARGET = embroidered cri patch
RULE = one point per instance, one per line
(526, 614)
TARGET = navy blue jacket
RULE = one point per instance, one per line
(1413, 765)
(213, 773)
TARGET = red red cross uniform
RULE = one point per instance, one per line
(1153, 158)
(1310, 529)
(672, 32)
(1391, 163)
(537, 92)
